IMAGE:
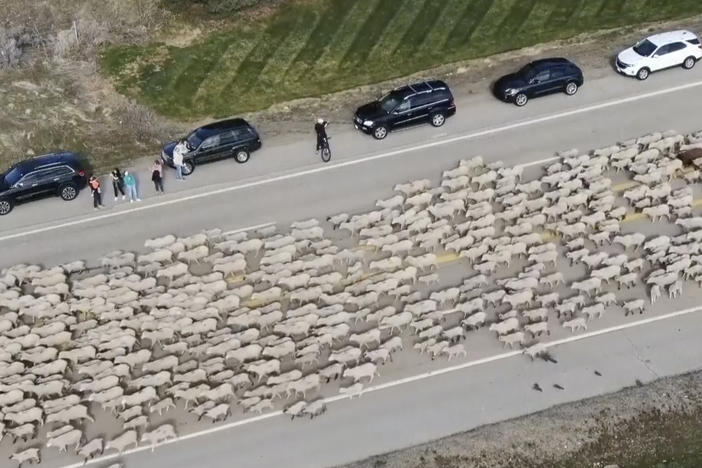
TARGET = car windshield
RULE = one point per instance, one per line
(389, 102)
(194, 140)
(526, 71)
(13, 176)
(645, 48)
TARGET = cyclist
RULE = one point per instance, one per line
(321, 129)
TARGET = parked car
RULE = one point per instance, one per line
(428, 101)
(660, 51)
(218, 140)
(540, 77)
(60, 173)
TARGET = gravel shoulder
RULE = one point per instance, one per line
(659, 424)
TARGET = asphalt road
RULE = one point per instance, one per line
(433, 406)
(286, 180)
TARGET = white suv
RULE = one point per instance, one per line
(665, 50)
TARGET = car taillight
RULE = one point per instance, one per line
(81, 173)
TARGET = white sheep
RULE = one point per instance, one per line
(512, 338)
(633, 306)
(504, 327)
(30, 455)
(161, 434)
(65, 439)
(575, 324)
(588, 286)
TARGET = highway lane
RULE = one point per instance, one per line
(434, 406)
(354, 187)
(292, 153)
(301, 186)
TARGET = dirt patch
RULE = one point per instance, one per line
(659, 424)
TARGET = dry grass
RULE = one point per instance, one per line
(54, 96)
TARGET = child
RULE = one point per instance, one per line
(94, 184)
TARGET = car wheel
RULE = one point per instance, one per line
(241, 156)
(438, 119)
(571, 88)
(380, 132)
(643, 73)
(688, 63)
(188, 168)
(68, 192)
(5, 207)
(521, 99)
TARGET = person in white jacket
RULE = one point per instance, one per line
(178, 152)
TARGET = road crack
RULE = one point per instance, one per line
(639, 357)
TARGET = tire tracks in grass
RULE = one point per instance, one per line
(516, 17)
(589, 10)
(610, 9)
(562, 13)
(248, 71)
(328, 63)
(199, 68)
(486, 32)
(321, 37)
(432, 45)
(277, 67)
(472, 16)
(533, 27)
(383, 49)
(213, 92)
(423, 23)
(369, 33)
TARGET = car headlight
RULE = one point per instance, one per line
(367, 123)
(510, 91)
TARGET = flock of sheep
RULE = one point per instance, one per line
(213, 320)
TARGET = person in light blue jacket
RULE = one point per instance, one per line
(130, 185)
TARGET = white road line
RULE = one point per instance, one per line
(250, 228)
(406, 380)
(365, 159)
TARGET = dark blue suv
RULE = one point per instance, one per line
(538, 78)
(218, 140)
(60, 173)
(428, 101)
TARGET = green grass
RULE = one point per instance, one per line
(313, 47)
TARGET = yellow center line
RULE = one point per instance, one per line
(444, 258)
(624, 186)
(632, 183)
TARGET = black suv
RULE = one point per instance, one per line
(537, 78)
(416, 103)
(61, 173)
(218, 140)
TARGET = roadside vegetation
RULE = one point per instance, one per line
(115, 78)
(313, 47)
(658, 425)
(52, 93)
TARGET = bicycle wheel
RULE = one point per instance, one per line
(326, 154)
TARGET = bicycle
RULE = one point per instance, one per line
(326, 150)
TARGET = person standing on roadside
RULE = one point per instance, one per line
(130, 184)
(94, 184)
(157, 175)
(178, 152)
(117, 183)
